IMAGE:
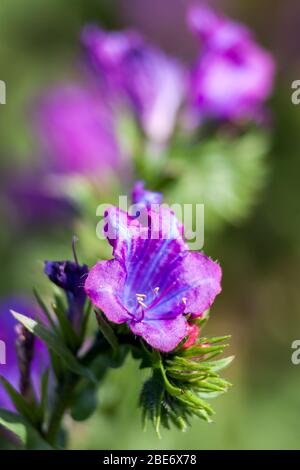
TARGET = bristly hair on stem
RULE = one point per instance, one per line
(182, 382)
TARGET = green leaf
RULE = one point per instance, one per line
(151, 398)
(85, 320)
(22, 406)
(108, 333)
(201, 350)
(182, 381)
(55, 344)
(194, 402)
(185, 365)
(217, 339)
(220, 364)
(20, 427)
(44, 393)
(67, 330)
(45, 310)
(57, 365)
(206, 386)
(84, 402)
(225, 173)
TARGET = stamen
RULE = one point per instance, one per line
(156, 290)
(142, 296)
(184, 300)
(141, 303)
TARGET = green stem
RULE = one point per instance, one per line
(62, 403)
(64, 397)
(65, 391)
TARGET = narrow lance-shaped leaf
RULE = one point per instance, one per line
(107, 332)
(45, 310)
(65, 325)
(85, 320)
(44, 392)
(220, 364)
(55, 344)
(20, 427)
(22, 406)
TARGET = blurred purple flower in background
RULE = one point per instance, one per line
(32, 200)
(79, 123)
(78, 131)
(233, 76)
(162, 21)
(10, 333)
(154, 281)
(151, 82)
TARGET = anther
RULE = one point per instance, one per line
(142, 296)
(141, 303)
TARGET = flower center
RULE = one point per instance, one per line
(142, 305)
(141, 300)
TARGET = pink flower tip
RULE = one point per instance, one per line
(193, 331)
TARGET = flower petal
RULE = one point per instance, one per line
(121, 230)
(215, 30)
(206, 275)
(163, 335)
(193, 281)
(202, 21)
(145, 246)
(104, 284)
(160, 100)
(77, 131)
(152, 82)
(229, 54)
(153, 255)
(142, 196)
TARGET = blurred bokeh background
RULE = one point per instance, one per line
(260, 303)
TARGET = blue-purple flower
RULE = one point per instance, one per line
(9, 335)
(70, 277)
(233, 76)
(151, 82)
(77, 131)
(153, 283)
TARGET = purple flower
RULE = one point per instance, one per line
(154, 281)
(9, 336)
(233, 76)
(77, 131)
(32, 200)
(142, 196)
(70, 277)
(151, 82)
